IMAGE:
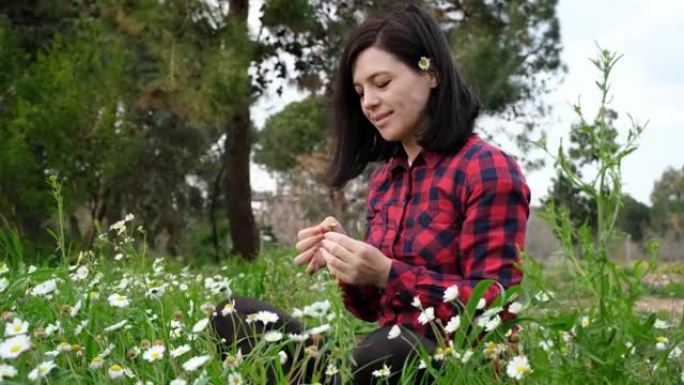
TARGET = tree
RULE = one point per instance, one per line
(667, 199)
(634, 218)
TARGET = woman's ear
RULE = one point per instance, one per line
(433, 79)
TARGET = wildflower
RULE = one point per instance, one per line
(7, 371)
(116, 372)
(493, 350)
(297, 337)
(232, 361)
(384, 372)
(45, 288)
(154, 353)
(80, 274)
(416, 302)
(228, 308)
(178, 381)
(466, 356)
(273, 336)
(16, 327)
(118, 300)
(4, 269)
(53, 328)
(661, 343)
(451, 293)
(77, 307)
(179, 351)
(155, 291)
(12, 347)
(675, 353)
(518, 367)
(283, 357)
(426, 316)
(424, 63)
(481, 304)
(32, 269)
(266, 317)
(543, 296)
(660, 324)
(585, 321)
(319, 329)
(97, 362)
(515, 307)
(317, 309)
(546, 345)
(42, 370)
(394, 332)
(79, 328)
(453, 324)
(64, 347)
(331, 370)
(116, 326)
(200, 325)
(493, 323)
(235, 379)
(195, 362)
(4, 283)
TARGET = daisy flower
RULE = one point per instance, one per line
(16, 327)
(394, 332)
(96, 362)
(42, 370)
(12, 347)
(118, 300)
(384, 372)
(235, 379)
(179, 351)
(195, 362)
(661, 343)
(116, 372)
(273, 336)
(228, 308)
(7, 371)
(44, 288)
(451, 293)
(426, 316)
(200, 325)
(232, 361)
(154, 353)
(266, 317)
(116, 326)
(178, 381)
(453, 324)
(518, 367)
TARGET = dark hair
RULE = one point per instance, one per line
(408, 34)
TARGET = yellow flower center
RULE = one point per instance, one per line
(115, 368)
(16, 348)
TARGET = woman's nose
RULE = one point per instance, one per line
(370, 100)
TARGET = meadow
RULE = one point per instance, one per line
(118, 314)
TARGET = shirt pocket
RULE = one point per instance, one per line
(377, 227)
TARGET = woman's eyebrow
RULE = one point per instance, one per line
(372, 76)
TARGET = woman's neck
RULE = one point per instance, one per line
(412, 149)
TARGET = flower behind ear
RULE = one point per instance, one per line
(424, 63)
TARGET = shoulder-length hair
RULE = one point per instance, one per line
(409, 34)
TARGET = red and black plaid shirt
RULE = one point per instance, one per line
(445, 220)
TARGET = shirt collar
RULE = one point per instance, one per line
(430, 158)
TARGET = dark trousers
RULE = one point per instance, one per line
(374, 351)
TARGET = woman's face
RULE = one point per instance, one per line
(393, 96)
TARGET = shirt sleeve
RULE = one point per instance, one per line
(496, 200)
(363, 301)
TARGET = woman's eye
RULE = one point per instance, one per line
(384, 84)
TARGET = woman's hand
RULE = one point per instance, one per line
(355, 262)
(309, 244)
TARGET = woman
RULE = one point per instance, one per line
(445, 209)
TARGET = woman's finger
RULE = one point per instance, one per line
(305, 257)
(338, 250)
(307, 243)
(309, 231)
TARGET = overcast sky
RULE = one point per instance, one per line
(647, 83)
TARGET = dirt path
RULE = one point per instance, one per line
(670, 305)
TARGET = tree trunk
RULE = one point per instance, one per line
(243, 230)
